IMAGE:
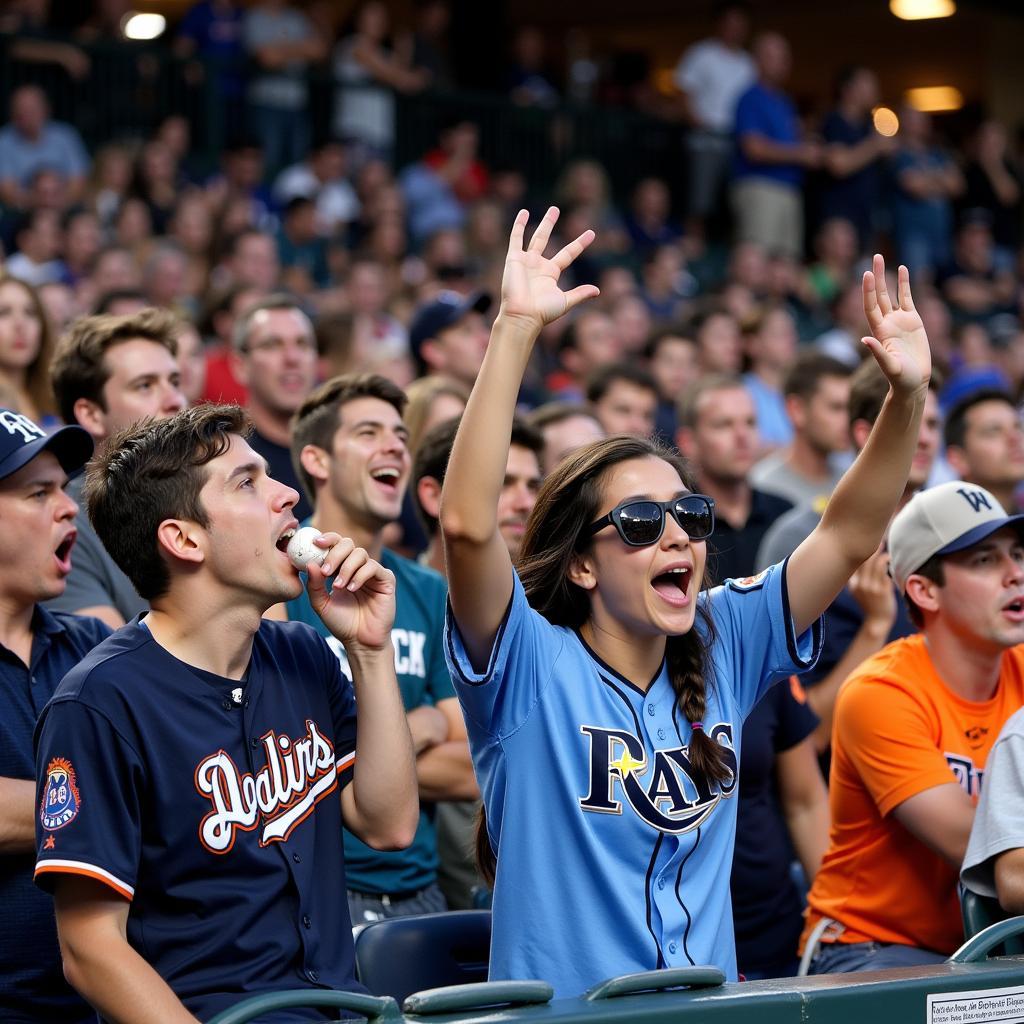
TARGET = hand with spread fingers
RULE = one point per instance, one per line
(529, 287)
(898, 343)
(360, 607)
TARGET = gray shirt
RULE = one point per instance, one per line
(773, 475)
(787, 533)
(95, 578)
(58, 147)
(999, 819)
(285, 89)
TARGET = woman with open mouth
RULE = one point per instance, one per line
(604, 685)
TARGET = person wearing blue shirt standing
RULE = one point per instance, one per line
(37, 648)
(603, 687)
(770, 156)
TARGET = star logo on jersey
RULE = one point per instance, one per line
(61, 800)
(664, 790)
(297, 775)
(626, 764)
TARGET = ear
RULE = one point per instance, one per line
(581, 572)
(687, 444)
(428, 494)
(181, 539)
(924, 593)
(957, 461)
(795, 410)
(239, 366)
(90, 416)
(315, 461)
(859, 431)
(431, 353)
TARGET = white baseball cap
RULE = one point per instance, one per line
(939, 521)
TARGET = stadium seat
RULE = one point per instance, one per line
(402, 955)
(978, 912)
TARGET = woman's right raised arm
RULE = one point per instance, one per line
(479, 567)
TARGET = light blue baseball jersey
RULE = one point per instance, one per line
(611, 857)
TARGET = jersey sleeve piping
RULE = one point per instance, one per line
(817, 629)
(86, 870)
(495, 646)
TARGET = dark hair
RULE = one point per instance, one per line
(107, 300)
(932, 570)
(869, 388)
(656, 340)
(956, 421)
(37, 376)
(550, 413)
(808, 371)
(279, 300)
(435, 449)
(601, 380)
(686, 408)
(316, 421)
(150, 472)
(79, 369)
(568, 501)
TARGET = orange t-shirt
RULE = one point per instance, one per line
(899, 730)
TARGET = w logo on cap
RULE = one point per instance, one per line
(16, 423)
(976, 499)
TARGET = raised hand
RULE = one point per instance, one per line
(529, 287)
(360, 607)
(899, 343)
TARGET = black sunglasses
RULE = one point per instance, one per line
(641, 521)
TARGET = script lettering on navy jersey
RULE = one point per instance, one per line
(409, 646)
(276, 798)
(668, 793)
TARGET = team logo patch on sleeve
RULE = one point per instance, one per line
(61, 800)
(749, 582)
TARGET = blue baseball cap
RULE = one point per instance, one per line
(445, 309)
(21, 440)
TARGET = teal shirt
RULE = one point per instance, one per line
(418, 638)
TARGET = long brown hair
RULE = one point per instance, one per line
(37, 374)
(568, 501)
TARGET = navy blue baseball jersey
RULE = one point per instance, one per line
(32, 985)
(592, 806)
(212, 805)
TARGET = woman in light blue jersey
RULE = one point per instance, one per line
(603, 685)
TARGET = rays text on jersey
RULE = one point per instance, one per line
(667, 794)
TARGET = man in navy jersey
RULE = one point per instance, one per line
(37, 648)
(189, 769)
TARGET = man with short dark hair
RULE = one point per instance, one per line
(108, 373)
(913, 728)
(350, 447)
(985, 443)
(448, 335)
(718, 435)
(817, 391)
(274, 357)
(589, 341)
(195, 770)
(37, 648)
(624, 398)
(564, 427)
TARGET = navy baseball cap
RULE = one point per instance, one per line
(21, 440)
(445, 309)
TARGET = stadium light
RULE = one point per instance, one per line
(141, 26)
(919, 10)
(934, 99)
(885, 121)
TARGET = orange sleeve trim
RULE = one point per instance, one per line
(74, 868)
